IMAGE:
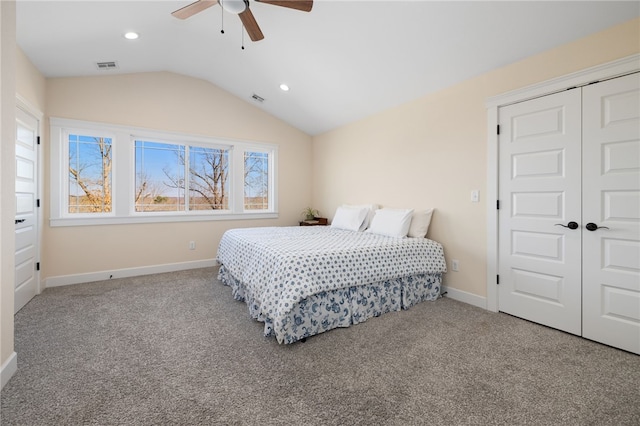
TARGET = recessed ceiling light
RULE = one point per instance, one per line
(131, 35)
(284, 87)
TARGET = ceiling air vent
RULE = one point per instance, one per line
(107, 65)
(257, 98)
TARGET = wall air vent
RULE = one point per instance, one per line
(107, 65)
(257, 98)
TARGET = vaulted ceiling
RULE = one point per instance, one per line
(343, 61)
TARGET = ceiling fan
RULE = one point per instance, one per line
(241, 8)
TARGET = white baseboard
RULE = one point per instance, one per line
(463, 296)
(127, 272)
(8, 369)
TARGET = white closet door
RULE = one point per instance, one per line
(611, 198)
(539, 259)
(26, 222)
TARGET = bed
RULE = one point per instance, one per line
(301, 281)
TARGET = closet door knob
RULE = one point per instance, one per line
(570, 225)
(592, 227)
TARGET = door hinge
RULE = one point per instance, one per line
(37, 266)
(497, 204)
(38, 202)
(498, 129)
(498, 279)
(38, 140)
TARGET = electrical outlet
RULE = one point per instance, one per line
(455, 265)
(192, 245)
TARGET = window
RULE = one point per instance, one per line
(256, 180)
(90, 161)
(208, 178)
(173, 177)
(159, 177)
(112, 174)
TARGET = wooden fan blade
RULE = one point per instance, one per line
(193, 8)
(251, 25)
(303, 5)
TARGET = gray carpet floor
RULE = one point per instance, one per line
(177, 349)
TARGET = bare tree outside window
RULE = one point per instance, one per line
(160, 177)
(256, 180)
(148, 191)
(208, 178)
(90, 163)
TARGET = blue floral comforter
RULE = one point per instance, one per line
(278, 271)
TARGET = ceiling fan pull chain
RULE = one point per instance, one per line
(221, 19)
(243, 36)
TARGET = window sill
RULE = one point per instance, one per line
(90, 221)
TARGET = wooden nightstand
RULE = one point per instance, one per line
(318, 221)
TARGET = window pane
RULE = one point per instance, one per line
(208, 178)
(159, 177)
(256, 180)
(90, 162)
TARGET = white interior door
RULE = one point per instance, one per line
(539, 259)
(26, 249)
(611, 199)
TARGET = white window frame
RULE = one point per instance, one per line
(272, 169)
(64, 177)
(123, 175)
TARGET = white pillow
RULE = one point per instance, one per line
(420, 223)
(372, 210)
(349, 218)
(391, 222)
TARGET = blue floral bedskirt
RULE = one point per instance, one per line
(341, 307)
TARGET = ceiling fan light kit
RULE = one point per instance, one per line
(234, 6)
(241, 8)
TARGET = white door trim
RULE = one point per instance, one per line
(26, 106)
(600, 72)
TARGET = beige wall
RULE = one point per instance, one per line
(432, 152)
(7, 175)
(30, 83)
(170, 102)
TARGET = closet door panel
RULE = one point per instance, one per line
(539, 259)
(611, 202)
